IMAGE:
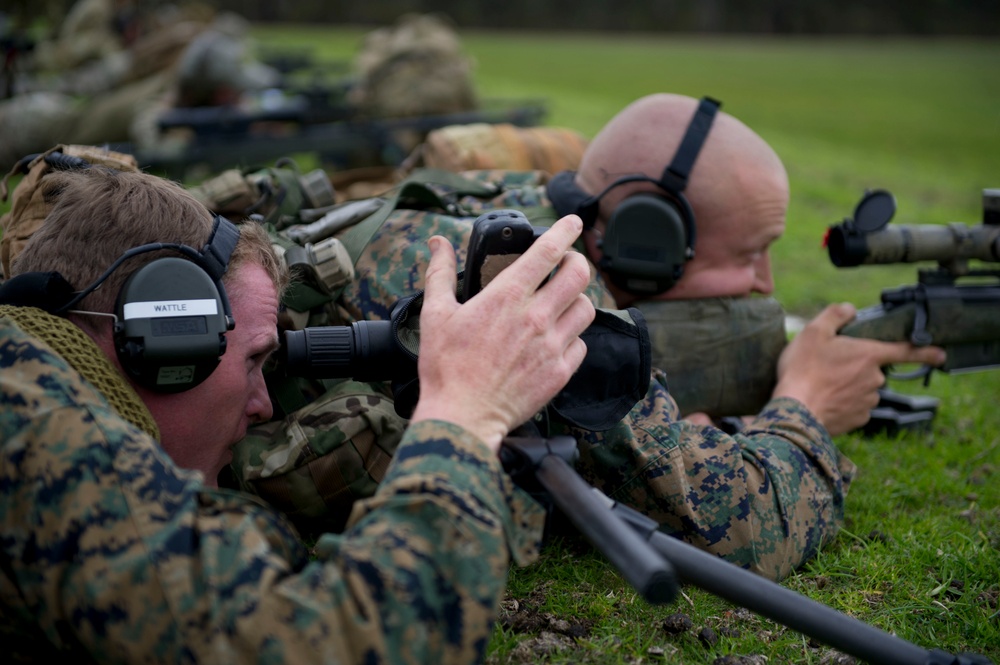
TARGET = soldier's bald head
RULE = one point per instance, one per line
(737, 190)
(643, 138)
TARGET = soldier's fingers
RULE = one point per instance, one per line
(890, 353)
(575, 318)
(440, 279)
(569, 281)
(575, 354)
(545, 253)
(698, 418)
(834, 317)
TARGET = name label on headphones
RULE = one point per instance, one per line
(155, 309)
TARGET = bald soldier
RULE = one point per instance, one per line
(715, 321)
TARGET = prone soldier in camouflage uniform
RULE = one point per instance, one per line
(766, 498)
(114, 553)
(720, 311)
(190, 63)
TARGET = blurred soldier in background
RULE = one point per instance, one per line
(187, 62)
(412, 68)
(103, 44)
(92, 30)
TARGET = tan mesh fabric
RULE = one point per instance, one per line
(86, 358)
(483, 146)
(230, 193)
(28, 208)
(363, 183)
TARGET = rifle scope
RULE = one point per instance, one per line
(867, 238)
(364, 350)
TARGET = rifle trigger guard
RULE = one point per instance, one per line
(920, 336)
(924, 372)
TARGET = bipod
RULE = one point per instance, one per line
(898, 413)
(546, 462)
(603, 522)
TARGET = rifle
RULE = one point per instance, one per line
(304, 123)
(953, 305)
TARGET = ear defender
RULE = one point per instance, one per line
(173, 314)
(568, 199)
(650, 236)
(648, 240)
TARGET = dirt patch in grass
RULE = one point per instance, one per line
(546, 636)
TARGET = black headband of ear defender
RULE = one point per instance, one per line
(643, 253)
(171, 315)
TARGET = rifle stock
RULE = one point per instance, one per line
(964, 320)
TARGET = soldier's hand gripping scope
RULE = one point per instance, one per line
(372, 350)
(614, 375)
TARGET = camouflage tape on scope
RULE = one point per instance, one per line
(909, 243)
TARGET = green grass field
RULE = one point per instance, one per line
(920, 554)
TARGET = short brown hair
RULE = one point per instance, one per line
(99, 213)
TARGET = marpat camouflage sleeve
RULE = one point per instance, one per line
(112, 554)
(766, 499)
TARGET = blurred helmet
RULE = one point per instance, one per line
(217, 59)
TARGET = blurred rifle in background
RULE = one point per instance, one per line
(12, 47)
(340, 137)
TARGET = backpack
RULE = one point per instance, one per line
(28, 207)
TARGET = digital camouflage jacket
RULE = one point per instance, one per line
(112, 554)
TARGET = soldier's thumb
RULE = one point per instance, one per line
(440, 279)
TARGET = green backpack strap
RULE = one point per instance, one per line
(414, 189)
